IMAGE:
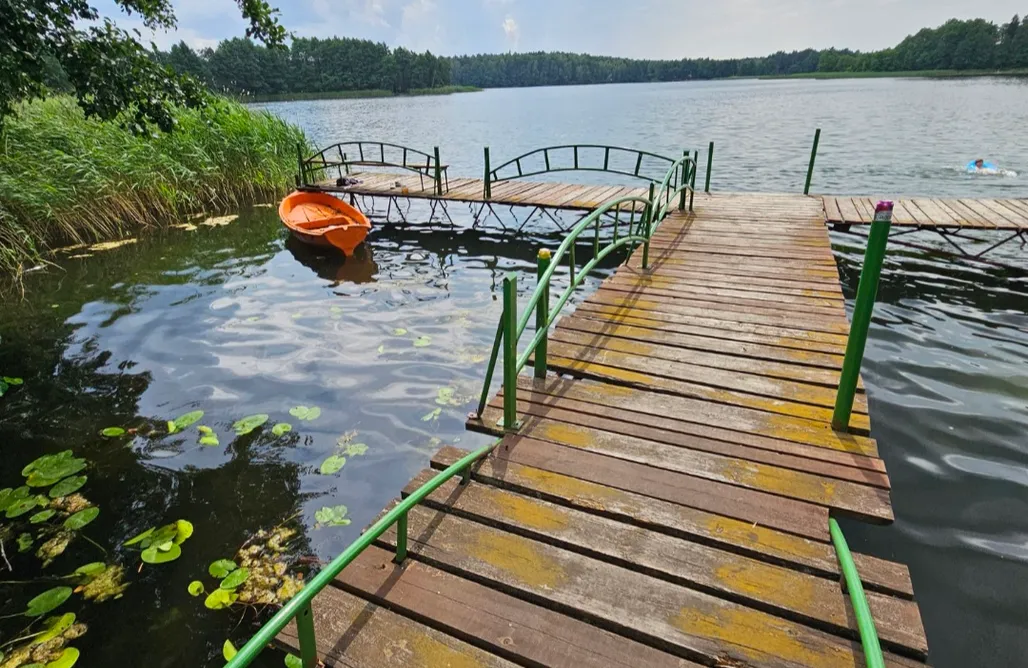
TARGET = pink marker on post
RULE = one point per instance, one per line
(883, 211)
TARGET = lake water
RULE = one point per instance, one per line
(237, 320)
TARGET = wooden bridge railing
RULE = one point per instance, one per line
(578, 158)
(345, 155)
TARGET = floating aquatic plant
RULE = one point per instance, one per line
(261, 576)
(399, 331)
(7, 382)
(305, 413)
(160, 545)
(249, 423)
(102, 582)
(67, 486)
(332, 465)
(281, 428)
(49, 469)
(422, 341)
(183, 422)
(332, 516)
(432, 415)
(208, 437)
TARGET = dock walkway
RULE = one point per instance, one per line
(666, 499)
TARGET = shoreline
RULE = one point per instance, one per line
(355, 94)
(904, 74)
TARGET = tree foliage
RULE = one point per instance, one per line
(956, 45)
(48, 44)
(241, 67)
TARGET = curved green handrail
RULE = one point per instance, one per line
(865, 622)
(494, 175)
(370, 153)
(298, 607)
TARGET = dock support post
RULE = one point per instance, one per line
(813, 156)
(710, 162)
(488, 186)
(867, 291)
(300, 181)
(438, 175)
(542, 313)
(305, 632)
(510, 353)
(401, 538)
(682, 182)
(692, 182)
(648, 226)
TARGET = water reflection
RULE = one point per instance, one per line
(332, 265)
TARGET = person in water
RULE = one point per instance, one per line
(979, 165)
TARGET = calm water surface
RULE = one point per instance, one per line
(236, 320)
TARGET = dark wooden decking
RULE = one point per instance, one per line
(985, 214)
(666, 501)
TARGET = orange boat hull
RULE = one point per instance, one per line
(320, 219)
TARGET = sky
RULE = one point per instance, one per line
(630, 28)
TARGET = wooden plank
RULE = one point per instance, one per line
(998, 217)
(1017, 220)
(831, 306)
(849, 211)
(668, 273)
(734, 424)
(677, 619)
(715, 310)
(961, 215)
(757, 541)
(716, 331)
(494, 621)
(935, 213)
(822, 276)
(638, 441)
(781, 591)
(577, 193)
(353, 633)
(831, 208)
(685, 254)
(824, 256)
(580, 322)
(980, 220)
(1019, 205)
(529, 196)
(692, 357)
(668, 281)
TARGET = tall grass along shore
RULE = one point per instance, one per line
(68, 179)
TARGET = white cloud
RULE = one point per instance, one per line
(420, 27)
(512, 31)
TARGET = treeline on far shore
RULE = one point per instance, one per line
(344, 67)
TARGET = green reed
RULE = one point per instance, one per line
(66, 179)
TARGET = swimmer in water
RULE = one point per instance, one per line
(979, 164)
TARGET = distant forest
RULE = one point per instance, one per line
(240, 67)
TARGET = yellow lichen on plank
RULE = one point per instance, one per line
(581, 492)
(523, 510)
(824, 436)
(518, 557)
(779, 586)
(568, 434)
(780, 481)
(758, 637)
(746, 533)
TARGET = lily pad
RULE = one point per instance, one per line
(208, 437)
(249, 423)
(55, 626)
(49, 469)
(183, 530)
(20, 507)
(81, 518)
(221, 568)
(25, 541)
(220, 599)
(42, 516)
(91, 570)
(112, 432)
(281, 428)
(155, 555)
(47, 601)
(235, 579)
(183, 422)
(432, 415)
(333, 465)
(11, 380)
(334, 516)
(399, 331)
(381, 349)
(67, 486)
(229, 651)
(196, 588)
(356, 449)
(305, 413)
(110, 584)
(422, 341)
(293, 661)
(68, 658)
(141, 537)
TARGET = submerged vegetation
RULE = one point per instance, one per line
(67, 179)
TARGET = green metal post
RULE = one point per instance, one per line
(865, 622)
(401, 539)
(542, 313)
(346, 164)
(488, 185)
(710, 162)
(683, 181)
(510, 352)
(692, 181)
(867, 291)
(305, 632)
(438, 174)
(647, 223)
(813, 156)
(299, 165)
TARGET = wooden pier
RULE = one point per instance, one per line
(666, 499)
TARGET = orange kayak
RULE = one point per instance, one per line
(320, 219)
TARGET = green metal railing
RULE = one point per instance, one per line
(371, 154)
(813, 156)
(676, 189)
(865, 622)
(299, 607)
(577, 158)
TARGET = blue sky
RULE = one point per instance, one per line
(633, 28)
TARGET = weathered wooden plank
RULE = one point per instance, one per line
(1016, 220)
(818, 285)
(689, 256)
(781, 591)
(502, 624)
(757, 541)
(354, 633)
(724, 386)
(825, 276)
(737, 424)
(670, 281)
(848, 211)
(999, 217)
(647, 348)
(830, 306)
(731, 350)
(970, 214)
(958, 213)
(747, 251)
(674, 618)
(619, 434)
